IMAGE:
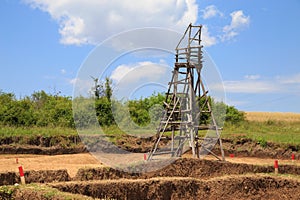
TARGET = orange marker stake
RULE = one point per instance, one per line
(22, 175)
(276, 166)
(17, 160)
(293, 157)
(145, 156)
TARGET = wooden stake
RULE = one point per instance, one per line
(22, 175)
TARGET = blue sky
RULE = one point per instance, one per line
(254, 44)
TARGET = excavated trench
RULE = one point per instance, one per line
(232, 187)
(55, 145)
(186, 178)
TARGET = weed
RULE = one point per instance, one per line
(6, 192)
(262, 142)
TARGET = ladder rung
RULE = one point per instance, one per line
(182, 111)
(181, 53)
(178, 93)
(178, 82)
(205, 111)
(163, 152)
(181, 64)
(183, 48)
(175, 122)
(203, 127)
(181, 58)
(196, 47)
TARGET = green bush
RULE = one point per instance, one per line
(42, 109)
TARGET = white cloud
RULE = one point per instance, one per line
(236, 102)
(250, 86)
(146, 76)
(71, 30)
(139, 71)
(238, 22)
(63, 71)
(120, 72)
(207, 39)
(210, 12)
(256, 84)
(252, 77)
(293, 79)
(73, 81)
(90, 22)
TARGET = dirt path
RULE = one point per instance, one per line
(73, 162)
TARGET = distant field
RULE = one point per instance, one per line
(273, 116)
(283, 128)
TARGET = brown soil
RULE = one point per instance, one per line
(42, 176)
(29, 149)
(87, 162)
(186, 167)
(57, 145)
(233, 187)
(71, 162)
(249, 148)
(186, 178)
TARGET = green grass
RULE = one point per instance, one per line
(37, 191)
(269, 131)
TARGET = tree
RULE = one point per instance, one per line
(233, 115)
(103, 104)
(108, 89)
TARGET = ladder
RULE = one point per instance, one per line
(187, 102)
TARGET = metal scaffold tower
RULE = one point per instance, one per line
(186, 102)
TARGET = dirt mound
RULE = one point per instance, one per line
(8, 178)
(47, 176)
(64, 144)
(41, 141)
(42, 145)
(43, 176)
(29, 149)
(237, 187)
(186, 167)
(102, 173)
(248, 148)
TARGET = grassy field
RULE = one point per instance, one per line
(273, 116)
(283, 128)
(277, 132)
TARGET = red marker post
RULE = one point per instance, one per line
(293, 157)
(231, 155)
(22, 175)
(276, 166)
(145, 156)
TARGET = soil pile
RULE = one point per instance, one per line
(236, 187)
